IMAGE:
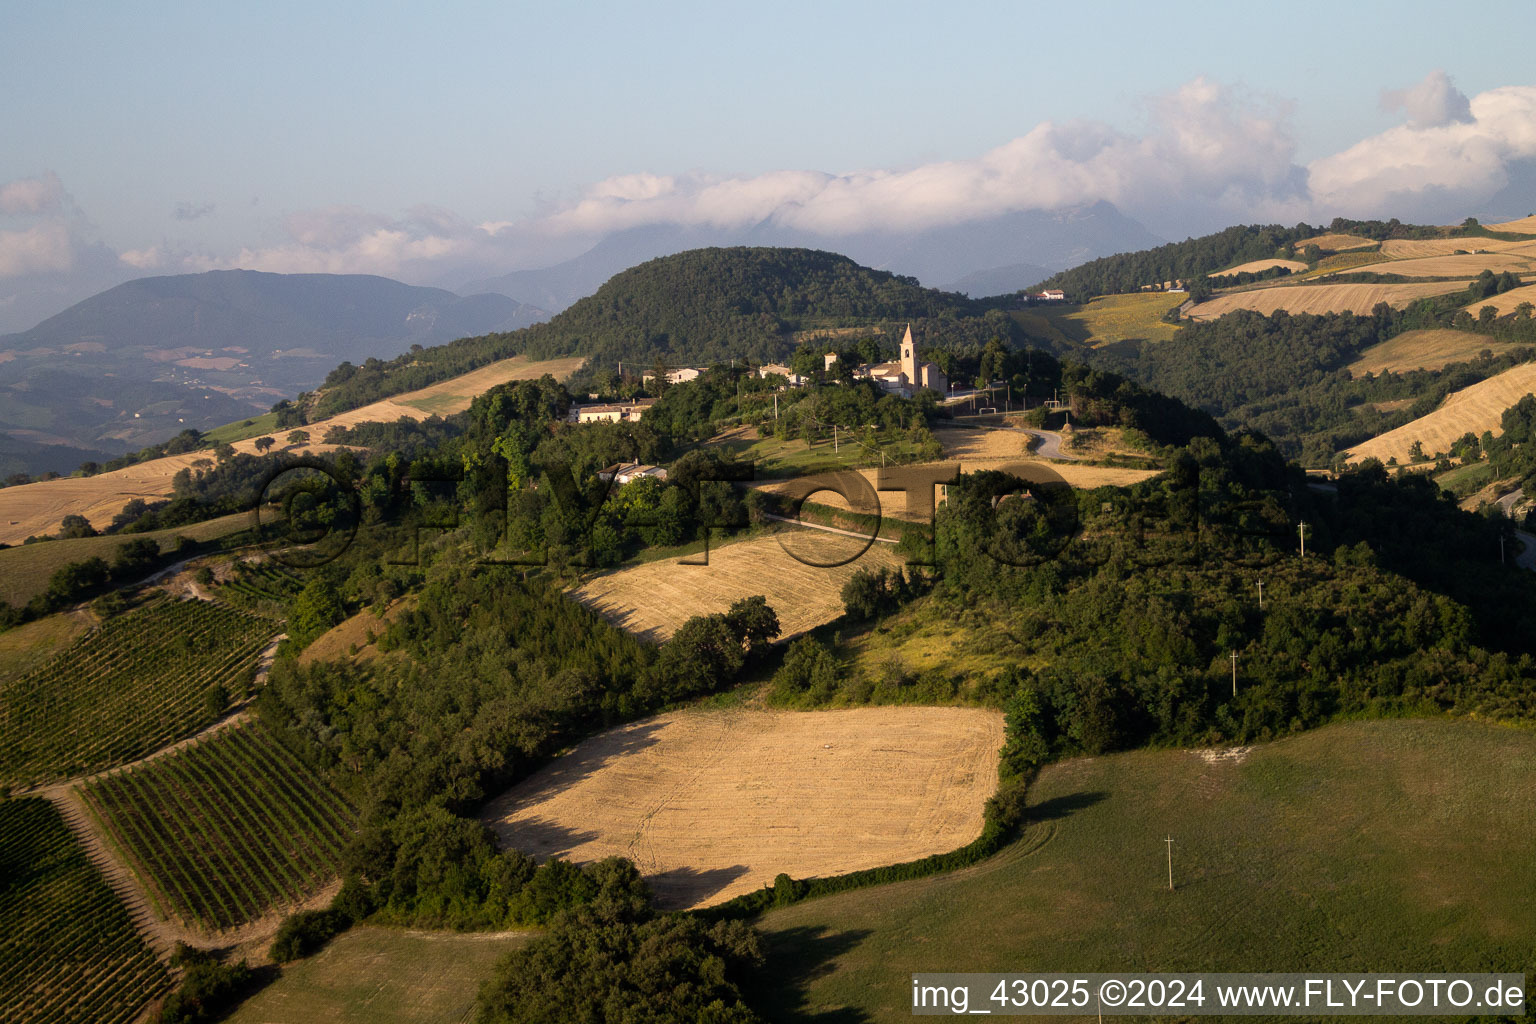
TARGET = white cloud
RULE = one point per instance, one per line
(1431, 103)
(1208, 145)
(1457, 163)
(42, 248)
(150, 258)
(31, 195)
(1210, 155)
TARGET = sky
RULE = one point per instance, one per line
(451, 142)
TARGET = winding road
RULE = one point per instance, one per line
(1050, 443)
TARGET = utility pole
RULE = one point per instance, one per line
(1501, 549)
(1301, 532)
(834, 438)
(1261, 595)
(775, 407)
(1169, 841)
(1234, 673)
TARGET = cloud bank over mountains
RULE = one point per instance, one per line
(1210, 155)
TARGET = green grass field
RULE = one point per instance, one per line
(776, 457)
(1465, 480)
(1365, 846)
(29, 646)
(25, 570)
(1105, 320)
(229, 433)
(68, 952)
(225, 829)
(376, 975)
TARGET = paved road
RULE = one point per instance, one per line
(1526, 559)
(1050, 444)
(1508, 502)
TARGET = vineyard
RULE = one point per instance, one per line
(143, 679)
(68, 951)
(261, 586)
(226, 829)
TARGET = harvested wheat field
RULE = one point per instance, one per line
(1413, 248)
(713, 804)
(1505, 303)
(1476, 409)
(654, 598)
(1520, 259)
(1523, 226)
(1337, 243)
(1321, 298)
(1419, 350)
(37, 508)
(1258, 266)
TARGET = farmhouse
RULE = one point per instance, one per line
(1052, 295)
(612, 412)
(681, 375)
(622, 473)
(795, 379)
(905, 375)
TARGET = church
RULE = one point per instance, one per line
(904, 376)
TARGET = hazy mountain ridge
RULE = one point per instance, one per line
(150, 357)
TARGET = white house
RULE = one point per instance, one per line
(681, 375)
(611, 412)
(795, 379)
(1052, 295)
(622, 473)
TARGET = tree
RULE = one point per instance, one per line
(316, 609)
(72, 526)
(755, 622)
(134, 557)
(703, 653)
(264, 443)
(298, 437)
(809, 669)
(864, 595)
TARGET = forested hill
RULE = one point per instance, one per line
(1194, 258)
(695, 308)
(712, 305)
(1179, 261)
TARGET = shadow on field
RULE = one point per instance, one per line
(683, 887)
(562, 772)
(794, 958)
(542, 837)
(1061, 806)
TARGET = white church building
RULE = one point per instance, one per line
(904, 376)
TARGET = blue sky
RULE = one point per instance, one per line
(248, 118)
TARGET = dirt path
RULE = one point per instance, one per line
(237, 714)
(828, 529)
(162, 933)
(158, 934)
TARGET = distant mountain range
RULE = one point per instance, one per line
(145, 359)
(985, 257)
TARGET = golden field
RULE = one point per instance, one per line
(713, 804)
(1321, 298)
(1475, 409)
